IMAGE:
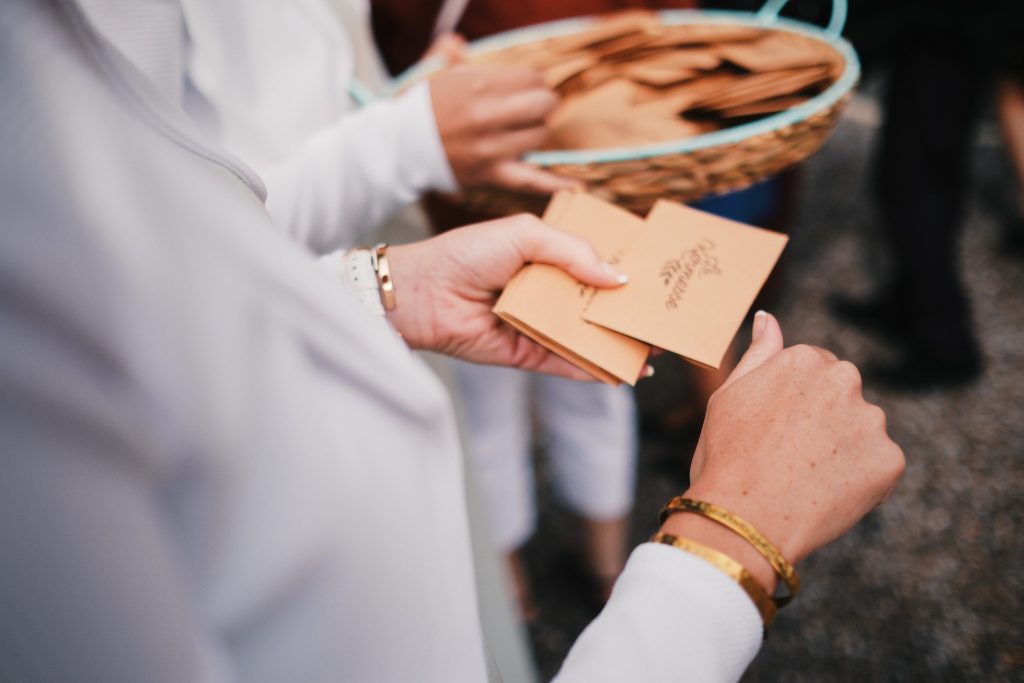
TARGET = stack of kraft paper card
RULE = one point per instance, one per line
(692, 279)
(632, 79)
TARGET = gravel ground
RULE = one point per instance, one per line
(930, 587)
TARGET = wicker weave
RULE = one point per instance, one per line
(637, 185)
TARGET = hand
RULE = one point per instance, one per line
(448, 47)
(790, 445)
(446, 286)
(488, 117)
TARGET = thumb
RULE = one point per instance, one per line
(539, 242)
(449, 47)
(524, 177)
(766, 342)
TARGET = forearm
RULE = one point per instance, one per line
(351, 176)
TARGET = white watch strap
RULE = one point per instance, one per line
(358, 272)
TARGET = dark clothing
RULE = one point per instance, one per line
(931, 109)
(941, 55)
(986, 32)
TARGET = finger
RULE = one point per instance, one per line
(646, 371)
(538, 242)
(446, 47)
(766, 342)
(524, 177)
(529, 355)
(489, 78)
(510, 145)
(451, 47)
(527, 108)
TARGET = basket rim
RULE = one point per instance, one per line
(770, 124)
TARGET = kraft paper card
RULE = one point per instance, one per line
(613, 27)
(632, 80)
(765, 86)
(558, 74)
(547, 304)
(692, 279)
(761, 107)
(701, 34)
(658, 76)
(692, 58)
(777, 51)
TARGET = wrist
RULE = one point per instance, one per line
(713, 535)
(355, 268)
(770, 515)
(408, 316)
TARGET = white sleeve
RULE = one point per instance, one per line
(671, 617)
(349, 177)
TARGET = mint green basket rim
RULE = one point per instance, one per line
(770, 124)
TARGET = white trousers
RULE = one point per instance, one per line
(588, 431)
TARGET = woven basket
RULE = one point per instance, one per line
(689, 168)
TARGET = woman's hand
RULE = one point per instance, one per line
(789, 444)
(446, 286)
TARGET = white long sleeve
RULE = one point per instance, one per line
(671, 617)
(347, 178)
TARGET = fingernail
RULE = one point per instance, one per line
(760, 320)
(648, 372)
(615, 274)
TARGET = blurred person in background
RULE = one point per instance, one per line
(220, 465)
(941, 58)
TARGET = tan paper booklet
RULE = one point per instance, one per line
(547, 304)
(693, 277)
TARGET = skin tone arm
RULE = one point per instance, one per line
(789, 442)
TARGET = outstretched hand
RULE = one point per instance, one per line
(445, 288)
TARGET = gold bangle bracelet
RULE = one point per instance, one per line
(383, 270)
(729, 566)
(727, 519)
